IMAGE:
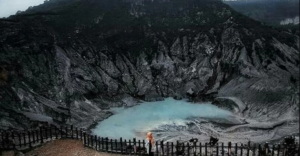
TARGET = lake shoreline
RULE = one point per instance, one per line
(147, 116)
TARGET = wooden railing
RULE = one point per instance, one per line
(25, 140)
(139, 147)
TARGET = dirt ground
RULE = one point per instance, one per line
(63, 147)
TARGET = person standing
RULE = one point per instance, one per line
(150, 143)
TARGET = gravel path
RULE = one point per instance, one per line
(65, 147)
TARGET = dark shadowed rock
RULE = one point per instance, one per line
(87, 56)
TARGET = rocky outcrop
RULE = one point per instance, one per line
(86, 67)
(231, 103)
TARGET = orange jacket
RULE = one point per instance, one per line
(150, 138)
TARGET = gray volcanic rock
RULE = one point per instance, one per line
(71, 67)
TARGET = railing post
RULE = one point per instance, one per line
(266, 148)
(144, 145)
(99, 142)
(200, 148)
(121, 143)
(106, 144)
(139, 142)
(66, 129)
(29, 139)
(76, 133)
(278, 150)
(96, 143)
(129, 146)
(162, 146)
(125, 142)
(150, 147)
(156, 146)
(172, 148)
(236, 149)
(2, 137)
(13, 139)
(37, 135)
(229, 148)
(177, 148)
(50, 132)
(242, 147)
(24, 138)
(188, 149)
(205, 149)
(273, 150)
(134, 146)
(248, 148)
(183, 147)
(20, 141)
(222, 149)
(259, 150)
(56, 132)
(102, 142)
(217, 149)
(61, 131)
(88, 140)
(7, 139)
(111, 145)
(284, 149)
(41, 134)
(254, 150)
(194, 148)
(84, 139)
(33, 137)
(92, 141)
(116, 144)
(72, 132)
(167, 148)
(46, 133)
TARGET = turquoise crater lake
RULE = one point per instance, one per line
(129, 122)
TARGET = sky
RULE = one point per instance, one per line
(10, 7)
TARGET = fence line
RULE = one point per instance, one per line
(29, 139)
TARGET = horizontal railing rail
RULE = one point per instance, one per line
(20, 140)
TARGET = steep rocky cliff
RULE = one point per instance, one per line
(67, 61)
